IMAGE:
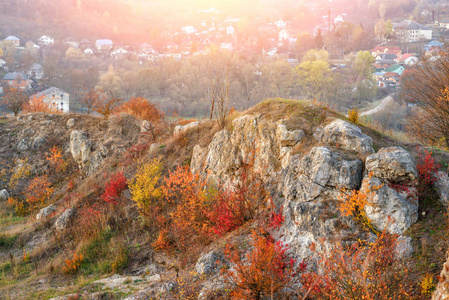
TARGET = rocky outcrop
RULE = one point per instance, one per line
(265, 146)
(388, 208)
(38, 142)
(44, 212)
(208, 263)
(64, 219)
(84, 153)
(394, 165)
(80, 147)
(442, 188)
(22, 145)
(319, 173)
(4, 195)
(442, 290)
(345, 135)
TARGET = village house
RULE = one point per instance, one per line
(386, 50)
(409, 31)
(58, 98)
(71, 42)
(13, 40)
(31, 45)
(280, 23)
(36, 71)
(104, 45)
(230, 30)
(407, 59)
(433, 47)
(16, 80)
(118, 53)
(88, 52)
(45, 40)
(85, 43)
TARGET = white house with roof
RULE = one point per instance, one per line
(31, 45)
(103, 44)
(88, 51)
(188, 30)
(45, 40)
(230, 30)
(12, 40)
(57, 97)
(118, 53)
(284, 35)
(409, 31)
(280, 23)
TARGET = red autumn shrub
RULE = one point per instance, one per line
(276, 219)
(114, 188)
(89, 221)
(38, 191)
(264, 270)
(227, 214)
(427, 168)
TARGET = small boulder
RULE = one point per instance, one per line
(442, 187)
(345, 135)
(22, 145)
(145, 126)
(207, 263)
(38, 142)
(167, 287)
(64, 219)
(180, 128)
(70, 123)
(389, 208)
(44, 212)
(393, 164)
(4, 195)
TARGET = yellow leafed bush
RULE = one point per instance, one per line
(143, 187)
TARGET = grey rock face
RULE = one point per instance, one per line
(4, 195)
(404, 248)
(346, 135)
(80, 147)
(64, 219)
(319, 173)
(44, 212)
(393, 164)
(208, 263)
(387, 203)
(288, 138)
(442, 187)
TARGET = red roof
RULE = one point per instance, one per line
(391, 74)
(405, 56)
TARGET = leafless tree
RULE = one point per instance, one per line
(427, 86)
(14, 100)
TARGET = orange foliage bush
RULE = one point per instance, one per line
(39, 105)
(265, 270)
(38, 190)
(72, 265)
(162, 242)
(362, 271)
(56, 160)
(142, 109)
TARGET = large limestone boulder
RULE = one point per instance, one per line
(248, 143)
(287, 138)
(346, 136)
(80, 147)
(319, 173)
(393, 164)
(442, 187)
(388, 204)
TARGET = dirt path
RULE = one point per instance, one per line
(387, 100)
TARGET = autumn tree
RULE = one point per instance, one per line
(107, 105)
(14, 100)
(89, 99)
(37, 104)
(427, 87)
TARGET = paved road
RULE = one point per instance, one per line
(387, 100)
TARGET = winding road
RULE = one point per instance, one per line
(387, 100)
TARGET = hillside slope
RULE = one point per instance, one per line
(71, 222)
